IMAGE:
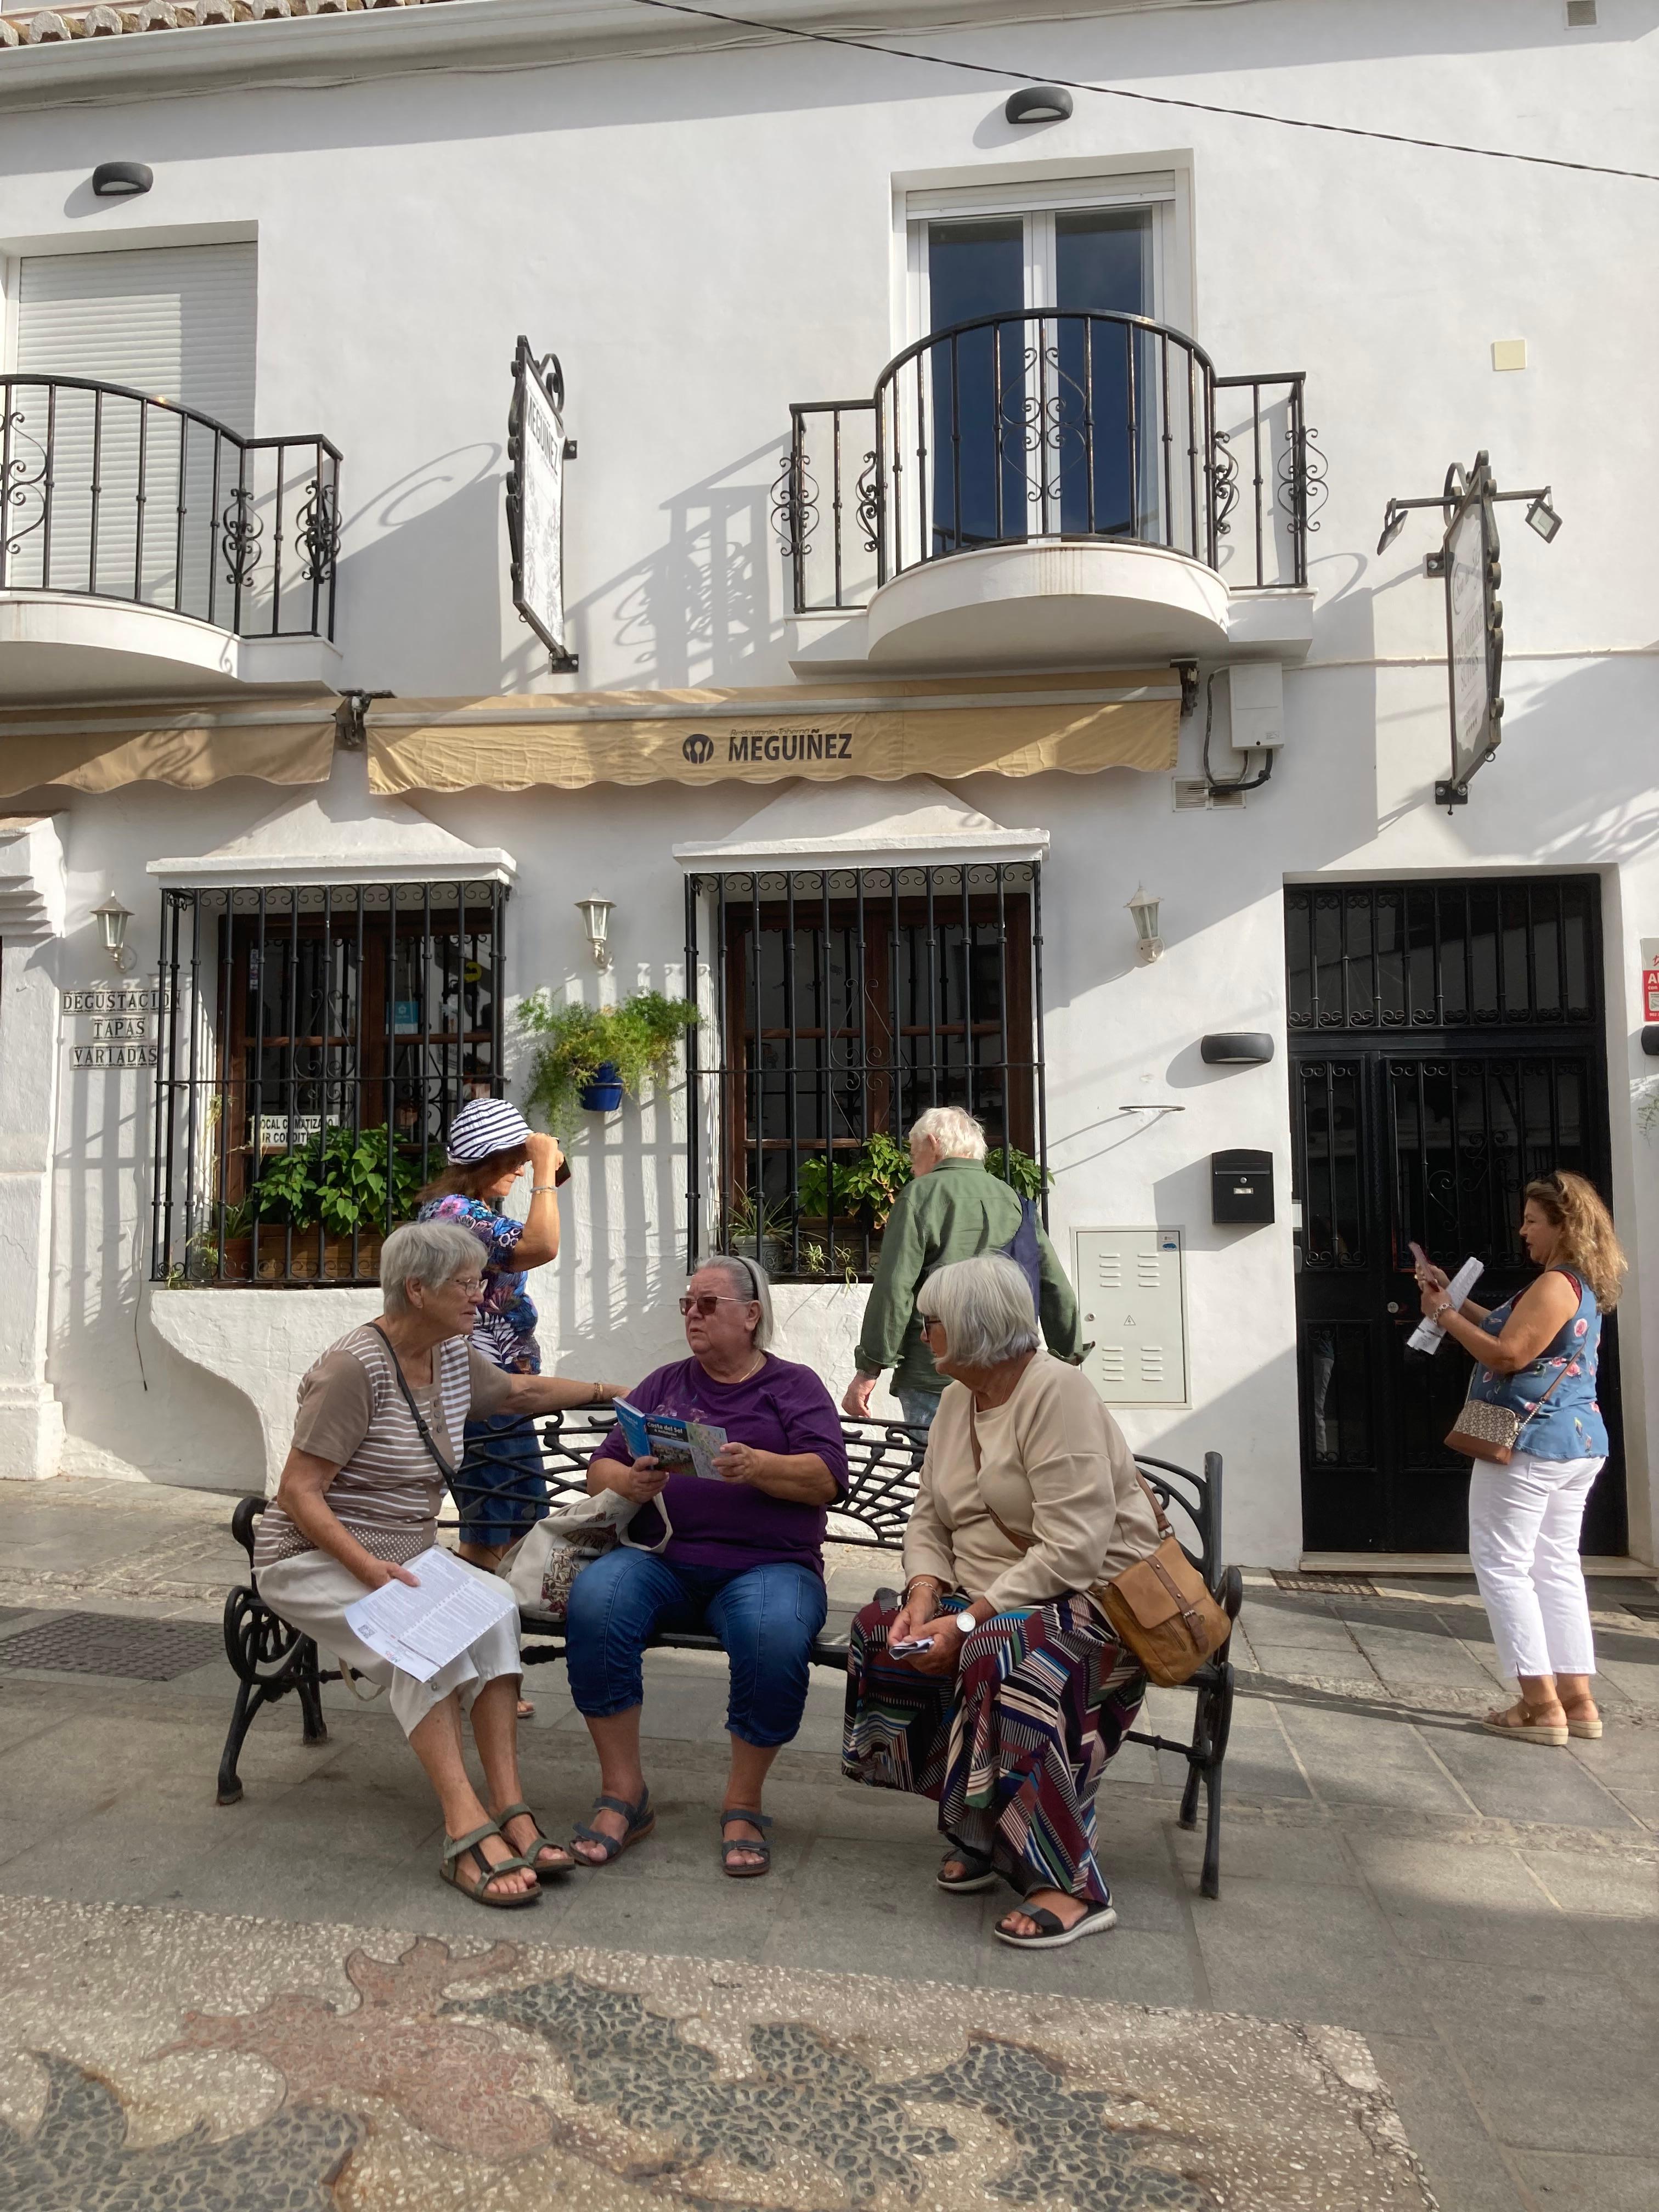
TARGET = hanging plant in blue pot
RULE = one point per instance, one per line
(588, 1058)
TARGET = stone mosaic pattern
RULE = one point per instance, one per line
(161, 2061)
(77, 2158)
(805, 2094)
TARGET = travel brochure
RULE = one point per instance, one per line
(681, 1446)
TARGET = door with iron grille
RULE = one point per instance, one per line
(1446, 1046)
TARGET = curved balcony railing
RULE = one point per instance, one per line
(1049, 424)
(108, 493)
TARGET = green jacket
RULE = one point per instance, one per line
(957, 1212)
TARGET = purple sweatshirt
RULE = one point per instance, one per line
(732, 1525)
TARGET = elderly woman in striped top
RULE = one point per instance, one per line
(381, 1421)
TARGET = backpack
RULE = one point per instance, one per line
(1026, 1253)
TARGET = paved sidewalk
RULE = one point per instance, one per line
(1461, 1903)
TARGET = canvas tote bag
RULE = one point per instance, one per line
(1159, 1608)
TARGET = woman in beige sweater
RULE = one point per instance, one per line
(998, 1688)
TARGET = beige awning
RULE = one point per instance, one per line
(938, 726)
(101, 748)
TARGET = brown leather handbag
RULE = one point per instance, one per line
(1492, 1432)
(1159, 1608)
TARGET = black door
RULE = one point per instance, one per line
(1445, 1047)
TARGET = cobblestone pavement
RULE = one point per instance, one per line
(1457, 1903)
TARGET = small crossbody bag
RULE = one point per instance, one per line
(1160, 1610)
(1493, 1432)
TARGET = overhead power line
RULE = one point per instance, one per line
(1148, 98)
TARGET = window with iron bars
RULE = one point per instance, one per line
(845, 1002)
(316, 1042)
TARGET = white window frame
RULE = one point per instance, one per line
(1165, 192)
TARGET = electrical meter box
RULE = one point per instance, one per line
(1132, 1295)
(1255, 702)
(1241, 1187)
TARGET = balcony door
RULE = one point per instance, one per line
(174, 323)
(1045, 424)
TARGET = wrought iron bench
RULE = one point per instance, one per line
(270, 1660)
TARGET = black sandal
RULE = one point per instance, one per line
(1053, 1930)
(763, 1849)
(641, 1821)
(532, 1858)
(981, 1871)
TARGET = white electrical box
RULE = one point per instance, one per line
(1256, 700)
(1133, 1299)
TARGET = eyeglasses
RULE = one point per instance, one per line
(930, 1323)
(706, 1300)
(470, 1285)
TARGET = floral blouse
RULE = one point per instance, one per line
(505, 1330)
(1570, 1425)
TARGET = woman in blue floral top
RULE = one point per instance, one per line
(490, 1143)
(1525, 1515)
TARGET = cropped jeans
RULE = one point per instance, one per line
(765, 1616)
(1524, 1520)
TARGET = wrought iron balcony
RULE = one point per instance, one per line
(1048, 425)
(108, 494)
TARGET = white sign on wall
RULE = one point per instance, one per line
(535, 498)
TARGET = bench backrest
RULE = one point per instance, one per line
(884, 1462)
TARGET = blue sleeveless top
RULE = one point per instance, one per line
(1570, 1425)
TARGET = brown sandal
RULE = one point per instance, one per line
(1502, 1721)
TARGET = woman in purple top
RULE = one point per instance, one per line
(745, 1559)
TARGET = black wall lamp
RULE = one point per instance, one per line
(121, 181)
(1236, 1048)
(1038, 103)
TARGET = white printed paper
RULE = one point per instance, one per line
(1428, 1334)
(421, 1630)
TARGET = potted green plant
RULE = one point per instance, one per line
(586, 1057)
(345, 1182)
(759, 1230)
(867, 1182)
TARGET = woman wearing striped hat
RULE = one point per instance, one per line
(502, 1489)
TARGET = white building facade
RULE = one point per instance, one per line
(884, 707)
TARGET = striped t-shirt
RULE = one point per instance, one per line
(352, 1413)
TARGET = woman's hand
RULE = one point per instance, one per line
(917, 1606)
(1434, 1296)
(545, 1157)
(642, 1481)
(947, 1642)
(740, 1463)
(374, 1574)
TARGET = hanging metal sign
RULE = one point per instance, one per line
(1475, 633)
(537, 452)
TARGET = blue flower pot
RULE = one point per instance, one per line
(605, 1093)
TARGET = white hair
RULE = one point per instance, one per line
(956, 1135)
(431, 1253)
(749, 1280)
(986, 1306)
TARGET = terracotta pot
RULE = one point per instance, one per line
(336, 1256)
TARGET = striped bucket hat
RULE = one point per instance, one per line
(484, 1125)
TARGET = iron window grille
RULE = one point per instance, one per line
(842, 1003)
(321, 1033)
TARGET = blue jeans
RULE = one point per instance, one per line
(500, 1487)
(765, 1616)
(919, 1407)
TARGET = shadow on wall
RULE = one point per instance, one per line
(131, 1405)
(433, 543)
(699, 609)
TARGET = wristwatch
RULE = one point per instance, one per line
(966, 1622)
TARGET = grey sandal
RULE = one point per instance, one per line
(982, 1872)
(641, 1821)
(532, 1858)
(457, 1848)
(1052, 1930)
(762, 1848)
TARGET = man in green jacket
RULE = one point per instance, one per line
(953, 1210)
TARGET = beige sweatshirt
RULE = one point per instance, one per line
(1054, 1465)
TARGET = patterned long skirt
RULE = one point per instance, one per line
(1012, 1751)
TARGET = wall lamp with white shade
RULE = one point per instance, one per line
(596, 921)
(112, 919)
(1143, 907)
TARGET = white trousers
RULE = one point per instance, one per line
(311, 1592)
(1524, 1520)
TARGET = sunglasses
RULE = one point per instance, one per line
(706, 1300)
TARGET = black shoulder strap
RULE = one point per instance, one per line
(415, 1414)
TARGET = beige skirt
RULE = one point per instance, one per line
(311, 1591)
